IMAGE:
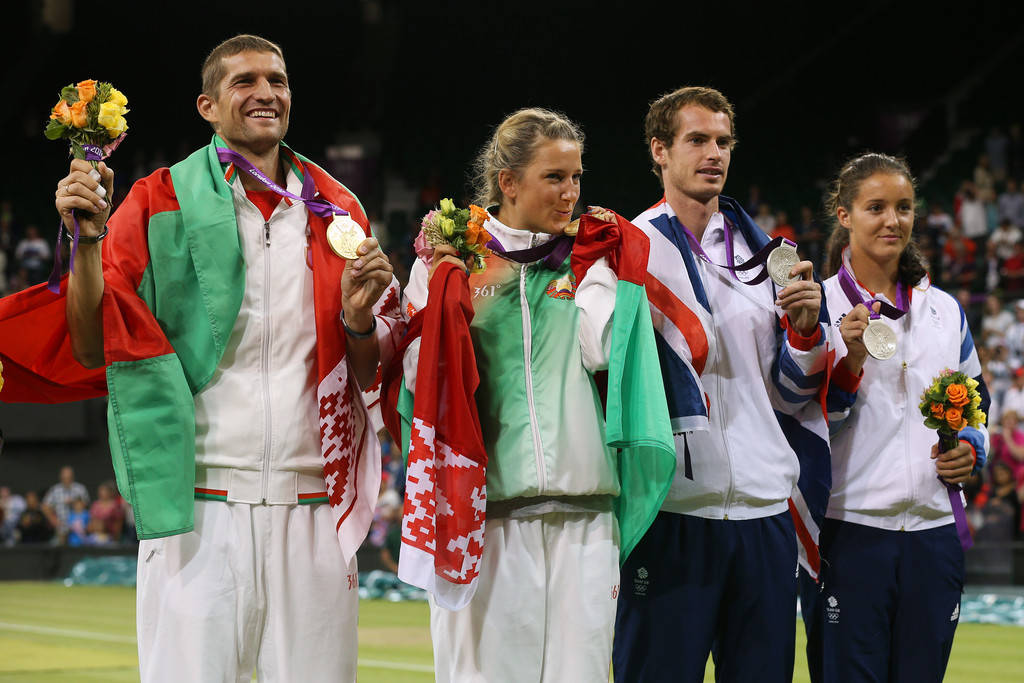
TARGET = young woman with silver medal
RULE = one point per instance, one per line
(892, 561)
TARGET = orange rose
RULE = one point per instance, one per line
(485, 237)
(79, 116)
(86, 91)
(957, 395)
(938, 411)
(955, 419)
(62, 113)
(472, 232)
(477, 215)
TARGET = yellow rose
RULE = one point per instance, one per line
(447, 206)
(111, 119)
(119, 126)
(118, 98)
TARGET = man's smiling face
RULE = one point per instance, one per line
(253, 102)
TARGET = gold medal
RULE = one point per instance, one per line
(572, 228)
(345, 235)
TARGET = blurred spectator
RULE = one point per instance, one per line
(78, 523)
(57, 501)
(959, 260)
(97, 535)
(1012, 272)
(754, 200)
(783, 228)
(996, 321)
(391, 549)
(972, 212)
(810, 236)
(765, 219)
(1008, 444)
(997, 148)
(1011, 204)
(108, 510)
(33, 526)
(983, 179)
(7, 240)
(33, 255)
(1013, 399)
(1002, 240)
(998, 375)
(988, 200)
(1003, 507)
(11, 507)
(939, 223)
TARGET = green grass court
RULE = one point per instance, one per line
(84, 634)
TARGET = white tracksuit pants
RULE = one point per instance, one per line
(253, 587)
(545, 607)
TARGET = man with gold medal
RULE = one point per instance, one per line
(235, 370)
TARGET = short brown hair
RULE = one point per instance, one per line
(213, 66)
(661, 116)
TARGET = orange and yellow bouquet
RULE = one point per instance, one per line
(951, 403)
(90, 116)
(460, 228)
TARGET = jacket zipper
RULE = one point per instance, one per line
(538, 447)
(265, 364)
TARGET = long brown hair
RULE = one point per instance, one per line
(844, 191)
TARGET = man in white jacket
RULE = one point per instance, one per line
(717, 570)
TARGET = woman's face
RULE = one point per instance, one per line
(880, 218)
(541, 197)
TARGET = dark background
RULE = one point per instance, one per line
(811, 82)
(419, 85)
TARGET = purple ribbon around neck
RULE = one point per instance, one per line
(852, 292)
(316, 205)
(948, 442)
(93, 153)
(758, 260)
(555, 250)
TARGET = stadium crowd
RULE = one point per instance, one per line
(972, 236)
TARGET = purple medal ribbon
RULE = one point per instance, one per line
(92, 153)
(316, 205)
(758, 260)
(852, 292)
(948, 442)
(555, 250)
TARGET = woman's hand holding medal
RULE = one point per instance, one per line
(801, 300)
(852, 329)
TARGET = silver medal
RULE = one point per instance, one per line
(879, 340)
(780, 262)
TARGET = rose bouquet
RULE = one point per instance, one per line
(90, 116)
(951, 403)
(460, 228)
